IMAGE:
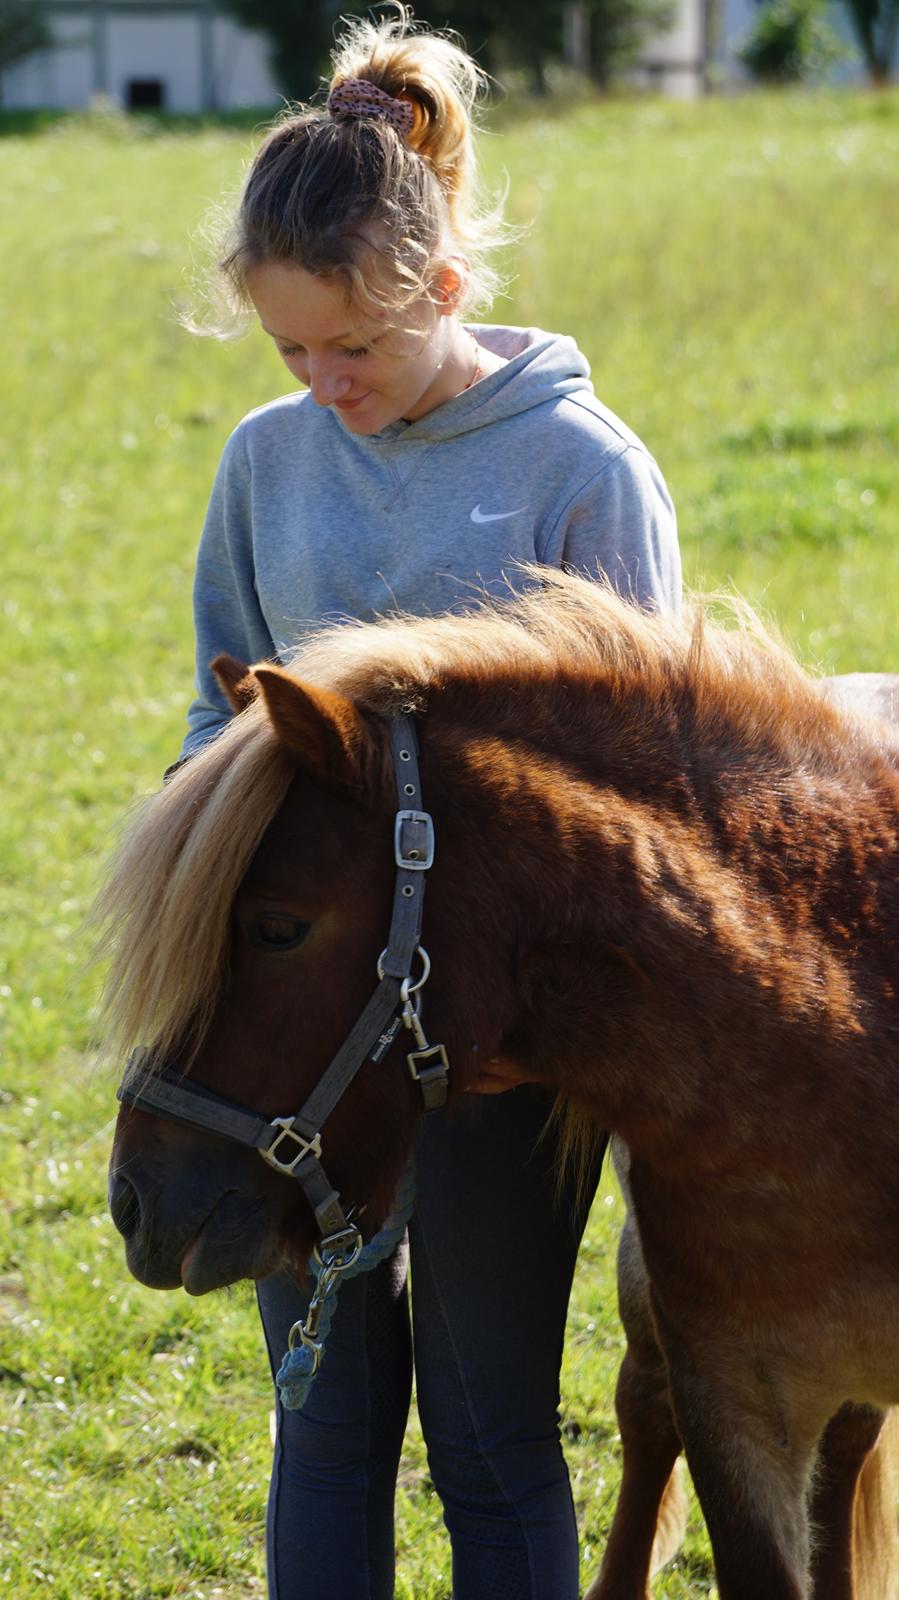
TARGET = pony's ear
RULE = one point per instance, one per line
(235, 680)
(323, 728)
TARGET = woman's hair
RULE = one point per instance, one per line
(348, 195)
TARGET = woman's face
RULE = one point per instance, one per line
(355, 360)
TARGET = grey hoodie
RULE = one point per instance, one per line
(309, 523)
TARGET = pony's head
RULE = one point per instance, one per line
(247, 912)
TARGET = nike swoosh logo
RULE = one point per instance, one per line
(494, 516)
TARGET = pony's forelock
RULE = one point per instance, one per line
(164, 910)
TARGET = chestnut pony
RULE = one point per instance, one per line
(667, 887)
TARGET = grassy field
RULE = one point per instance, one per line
(731, 271)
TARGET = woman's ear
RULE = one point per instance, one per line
(449, 286)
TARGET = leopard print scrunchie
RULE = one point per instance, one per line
(357, 98)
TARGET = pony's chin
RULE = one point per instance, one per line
(196, 1276)
(205, 1266)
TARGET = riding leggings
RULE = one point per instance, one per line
(492, 1250)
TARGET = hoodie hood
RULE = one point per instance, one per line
(539, 367)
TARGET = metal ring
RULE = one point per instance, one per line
(425, 973)
(339, 1266)
(407, 987)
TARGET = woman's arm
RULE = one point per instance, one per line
(227, 614)
(622, 522)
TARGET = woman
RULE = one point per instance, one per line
(423, 459)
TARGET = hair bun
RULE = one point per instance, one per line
(429, 72)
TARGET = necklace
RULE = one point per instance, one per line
(478, 370)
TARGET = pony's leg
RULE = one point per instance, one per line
(650, 1514)
(651, 1510)
(853, 1508)
(751, 1471)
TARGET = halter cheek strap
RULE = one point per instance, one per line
(292, 1144)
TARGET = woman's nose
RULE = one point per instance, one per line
(327, 385)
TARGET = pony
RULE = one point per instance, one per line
(665, 887)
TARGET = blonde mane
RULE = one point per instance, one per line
(165, 907)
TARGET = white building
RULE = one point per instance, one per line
(175, 55)
(675, 62)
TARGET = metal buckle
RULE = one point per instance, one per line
(420, 854)
(433, 1080)
(339, 1250)
(308, 1147)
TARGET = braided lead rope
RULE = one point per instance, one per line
(297, 1371)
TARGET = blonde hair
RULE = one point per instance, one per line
(350, 196)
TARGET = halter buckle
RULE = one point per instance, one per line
(308, 1147)
(413, 841)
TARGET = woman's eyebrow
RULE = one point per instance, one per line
(335, 338)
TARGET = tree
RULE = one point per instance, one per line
(301, 33)
(619, 29)
(23, 31)
(501, 35)
(876, 26)
(789, 41)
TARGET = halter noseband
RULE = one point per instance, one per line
(292, 1145)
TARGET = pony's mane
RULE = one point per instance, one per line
(559, 624)
(165, 907)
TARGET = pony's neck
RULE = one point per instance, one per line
(702, 918)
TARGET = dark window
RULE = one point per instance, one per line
(145, 94)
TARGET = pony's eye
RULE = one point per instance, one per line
(273, 931)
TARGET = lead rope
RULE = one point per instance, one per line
(305, 1345)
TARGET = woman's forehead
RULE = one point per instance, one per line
(293, 303)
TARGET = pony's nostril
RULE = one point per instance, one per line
(124, 1205)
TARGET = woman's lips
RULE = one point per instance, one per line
(350, 405)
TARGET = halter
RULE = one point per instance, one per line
(293, 1144)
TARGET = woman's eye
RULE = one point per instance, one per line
(273, 931)
(288, 352)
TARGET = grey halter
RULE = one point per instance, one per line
(292, 1144)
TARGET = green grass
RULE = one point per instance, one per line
(730, 268)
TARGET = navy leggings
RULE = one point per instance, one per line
(492, 1255)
